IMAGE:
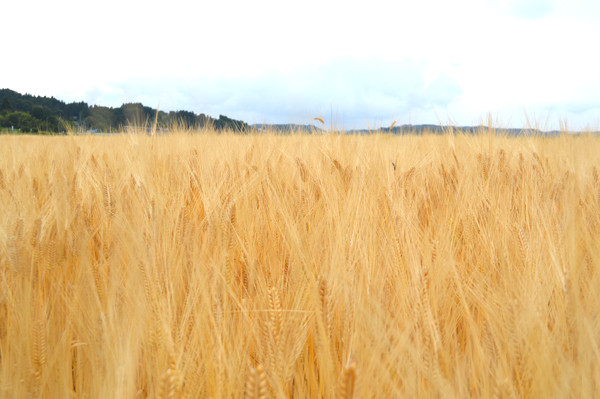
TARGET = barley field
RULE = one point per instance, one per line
(307, 266)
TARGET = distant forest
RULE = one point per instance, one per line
(33, 114)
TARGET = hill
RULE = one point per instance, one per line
(35, 114)
(406, 129)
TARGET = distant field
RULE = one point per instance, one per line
(306, 266)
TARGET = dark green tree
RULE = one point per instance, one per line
(5, 106)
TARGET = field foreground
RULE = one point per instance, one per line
(306, 266)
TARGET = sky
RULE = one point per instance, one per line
(518, 63)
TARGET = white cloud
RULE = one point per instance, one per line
(273, 60)
(532, 9)
(356, 89)
(525, 9)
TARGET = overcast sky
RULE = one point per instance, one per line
(369, 62)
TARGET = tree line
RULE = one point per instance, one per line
(34, 114)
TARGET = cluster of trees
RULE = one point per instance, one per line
(29, 114)
(34, 114)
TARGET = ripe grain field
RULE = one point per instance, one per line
(224, 266)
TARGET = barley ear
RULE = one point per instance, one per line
(348, 381)
(39, 356)
(324, 297)
(275, 312)
(256, 383)
(166, 387)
